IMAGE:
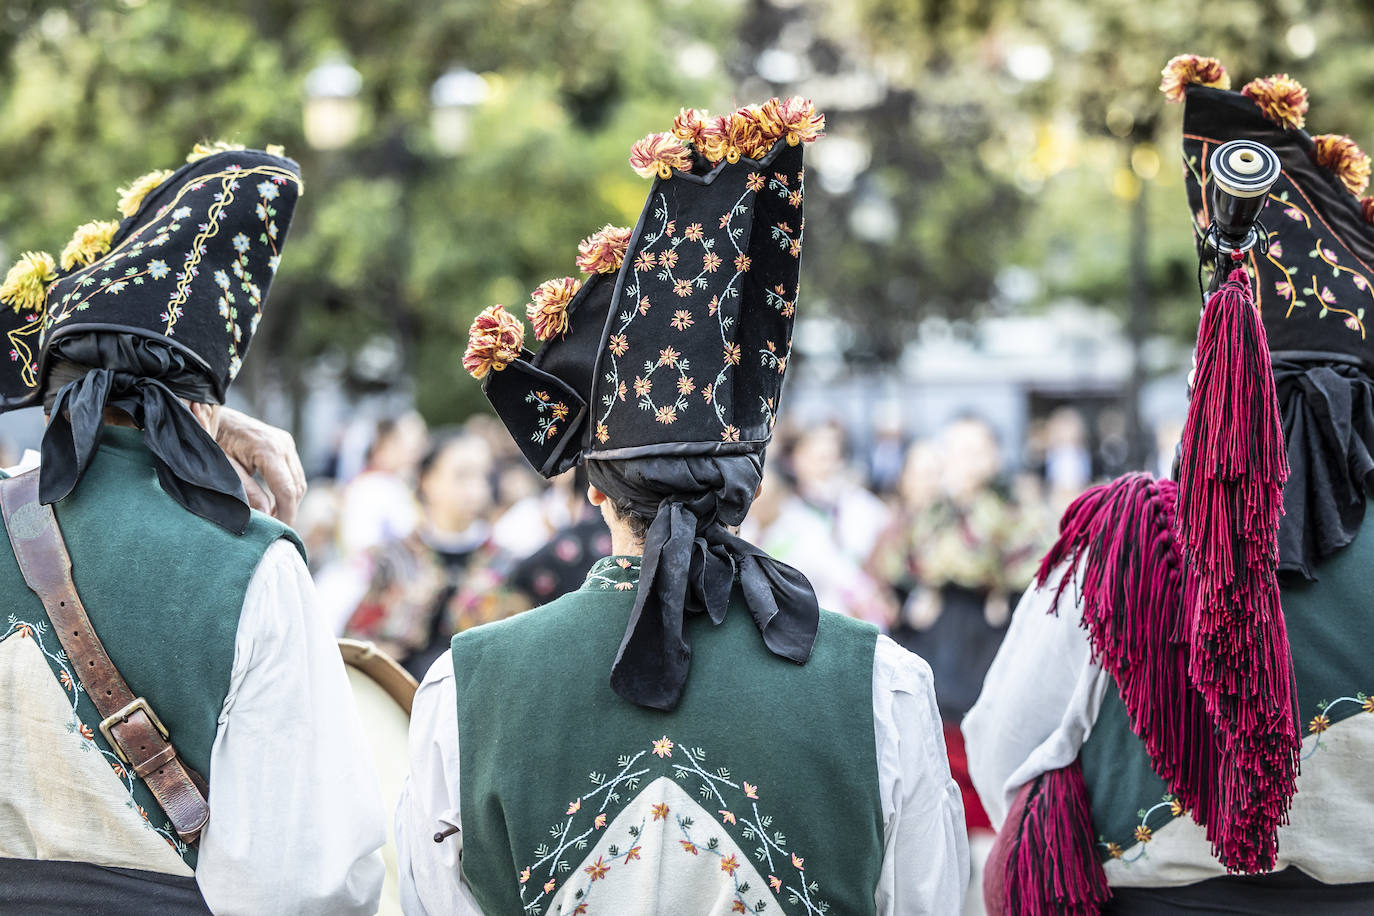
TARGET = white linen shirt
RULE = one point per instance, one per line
(296, 819)
(925, 847)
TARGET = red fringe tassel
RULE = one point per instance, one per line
(1052, 870)
(1230, 499)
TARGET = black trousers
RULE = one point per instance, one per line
(1286, 893)
(38, 888)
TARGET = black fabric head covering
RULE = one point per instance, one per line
(678, 342)
(689, 567)
(1314, 288)
(664, 372)
(158, 307)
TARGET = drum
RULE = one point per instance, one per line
(383, 692)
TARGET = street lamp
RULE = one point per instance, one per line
(333, 113)
(453, 98)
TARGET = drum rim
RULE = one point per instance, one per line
(398, 683)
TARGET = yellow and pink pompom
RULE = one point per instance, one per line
(131, 198)
(494, 341)
(1191, 70)
(548, 312)
(794, 119)
(603, 251)
(1280, 98)
(689, 124)
(1367, 209)
(1344, 157)
(26, 284)
(659, 154)
(89, 243)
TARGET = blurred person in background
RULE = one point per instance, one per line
(378, 506)
(957, 551)
(886, 453)
(1068, 459)
(406, 605)
(825, 525)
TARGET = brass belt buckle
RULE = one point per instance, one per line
(122, 716)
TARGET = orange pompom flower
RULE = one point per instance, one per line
(494, 341)
(1367, 209)
(603, 250)
(795, 119)
(1342, 156)
(688, 125)
(659, 154)
(548, 312)
(1280, 98)
(729, 137)
(1190, 69)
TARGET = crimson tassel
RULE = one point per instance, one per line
(1230, 497)
(1052, 870)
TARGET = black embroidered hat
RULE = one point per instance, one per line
(1316, 280)
(142, 314)
(679, 340)
(189, 266)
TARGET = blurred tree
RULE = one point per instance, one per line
(396, 244)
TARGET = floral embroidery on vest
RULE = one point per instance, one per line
(23, 629)
(736, 803)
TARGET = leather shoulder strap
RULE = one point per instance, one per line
(130, 725)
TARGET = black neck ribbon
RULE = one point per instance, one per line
(190, 465)
(690, 563)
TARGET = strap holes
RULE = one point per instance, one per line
(109, 693)
(92, 664)
(61, 604)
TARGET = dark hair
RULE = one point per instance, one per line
(624, 510)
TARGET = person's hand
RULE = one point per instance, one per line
(253, 448)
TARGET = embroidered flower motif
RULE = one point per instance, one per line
(667, 415)
(795, 248)
(619, 343)
(550, 885)
(797, 862)
(685, 385)
(525, 875)
(683, 288)
(795, 198)
(1342, 156)
(710, 262)
(682, 319)
(1352, 323)
(1368, 704)
(725, 220)
(730, 434)
(713, 306)
(689, 846)
(708, 393)
(1276, 248)
(1319, 724)
(1175, 807)
(26, 284)
(604, 250)
(1114, 850)
(727, 817)
(602, 433)
(600, 821)
(668, 259)
(621, 390)
(643, 386)
(90, 736)
(158, 269)
(775, 883)
(659, 154)
(597, 869)
(645, 260)
(732, 354)
(663, 747)
(751, 791)
(755, 181)
(742, 262)
(548, 310)
(669, 228)
(1280, 98)
(660, 811)
(668, 357)
(240, 243)
(729, 864)
(692, 233)
(575, 807)
(624, 586)
(89, 243)
(1187, 69)
(65, 678)
(1143, 833)
(494, 341)
(631, 854)
(118, 770)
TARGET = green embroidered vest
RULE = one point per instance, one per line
(1327, 623)
(758, 794)
(163, 589)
